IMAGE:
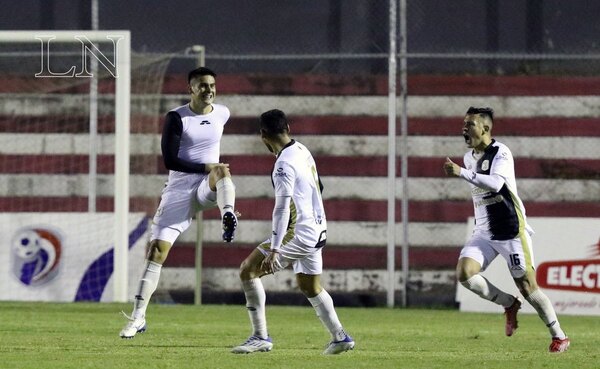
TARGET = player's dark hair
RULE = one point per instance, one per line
(488, 112)
(274, 122)
(202, 71)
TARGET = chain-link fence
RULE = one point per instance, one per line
(511, 57)
(326, 65)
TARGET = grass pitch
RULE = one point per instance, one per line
(82, 335)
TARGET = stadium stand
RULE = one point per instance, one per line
(351, 155)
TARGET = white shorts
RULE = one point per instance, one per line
(517, 252)
(304, 259)
(178, 204)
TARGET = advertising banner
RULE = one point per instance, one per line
(65, 256)
(567, 260)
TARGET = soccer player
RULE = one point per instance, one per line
(197, 181)
(500, 226)
(298, 236)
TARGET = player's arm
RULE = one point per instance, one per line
(283, 183)
(281, 215)
(494, 181)
(281, 218)
(170, 142)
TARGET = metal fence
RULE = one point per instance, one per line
(332, 67)
(540, 83)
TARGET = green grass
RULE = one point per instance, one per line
(78, 335)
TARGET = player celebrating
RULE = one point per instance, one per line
(299, 234)
(197, 181)
(500, 226)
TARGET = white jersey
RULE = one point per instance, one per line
(201, 136)
(295, 175)
(499, 215)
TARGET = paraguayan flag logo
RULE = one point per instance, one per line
(36, 254)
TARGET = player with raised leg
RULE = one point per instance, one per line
(500, 227)
(298, 235)
(197, 181)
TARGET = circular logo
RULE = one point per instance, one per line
(36, 254)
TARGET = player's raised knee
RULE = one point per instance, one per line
(247, 270)
(221, 171)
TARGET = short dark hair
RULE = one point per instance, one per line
(489, 112)
(274, 122)
(202, 71)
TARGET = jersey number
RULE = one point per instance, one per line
(514, 260)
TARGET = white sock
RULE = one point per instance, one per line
(323, 304)
(147, 286)
(482, 287)
(225, 195)
(255, 303)
(541, 303)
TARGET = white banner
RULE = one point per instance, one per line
(65, 256)
(567, 260)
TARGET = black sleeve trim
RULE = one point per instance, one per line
(171, 138)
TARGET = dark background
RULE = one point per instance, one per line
(230, 29)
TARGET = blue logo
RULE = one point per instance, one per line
(36, 253)
(280, 173)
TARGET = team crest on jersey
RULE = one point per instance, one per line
(485, 165)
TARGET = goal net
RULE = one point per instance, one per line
(78, 122)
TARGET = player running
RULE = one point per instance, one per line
(299, 234)
(500, 227)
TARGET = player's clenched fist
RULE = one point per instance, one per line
(451, 168)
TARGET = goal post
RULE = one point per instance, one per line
(120, 67)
